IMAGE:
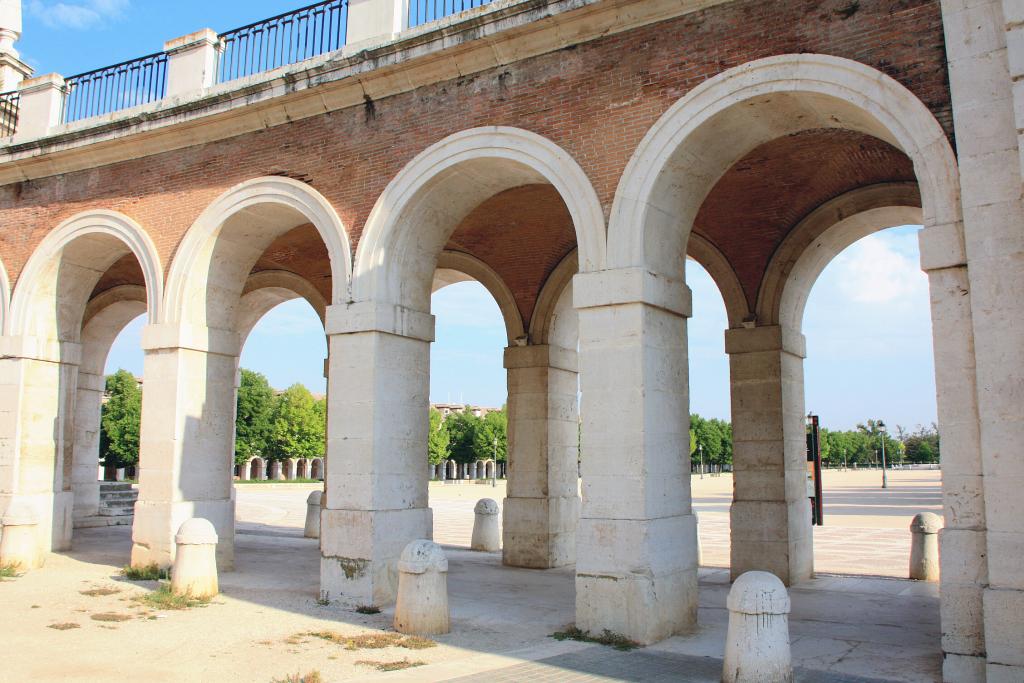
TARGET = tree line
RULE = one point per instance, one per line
(292, 424)
(465, 437)
(275, 426)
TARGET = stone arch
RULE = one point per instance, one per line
(554, 304)
(266, 289)
(704, 252)
(210, 259)
(456, 266)
(71, 258)
(720, 120)
(395, 264)
(822, 236)
(316, 470)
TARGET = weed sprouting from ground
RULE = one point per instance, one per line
(389, 666)
(163, 598)
(151, 572)
(97, 592)
(311, 677)
(368, 609)
(609, 638)
(8, 571)
(374, 641)
(110, 616)
(64, 626)
(324, 600)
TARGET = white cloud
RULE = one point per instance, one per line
(78, 16)
(877, 269)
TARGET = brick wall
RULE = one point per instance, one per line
(596, 100)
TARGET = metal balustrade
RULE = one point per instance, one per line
(111, 88)
(425, 11)
(9, 102)
(285, 39)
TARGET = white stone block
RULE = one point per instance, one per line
(924, 546)
(486, 532)
(313, 505)
(422, 605)
(195, 562)
(757, 643)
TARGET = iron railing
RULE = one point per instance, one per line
(284, 39)
(9, 102)
(423, 11)
(111, 88)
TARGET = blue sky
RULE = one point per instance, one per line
(869, 348)
(867, 321)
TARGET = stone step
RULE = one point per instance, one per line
(115, 486)
(97, 521)
(116, 511)
(117, 496)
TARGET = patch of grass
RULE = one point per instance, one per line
(64, 626)
(374, 641)
(110, 616)
(163, 598)
(311, 677)
(151, 572)
(609, 638)
(368, 609)
(8, 571)
(295, 639)
(97, 592)
(324, 600)
(389, 666)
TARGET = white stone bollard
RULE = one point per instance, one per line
(422, 605)
(19, 546)
(757, 644)
(924, 546)
(486, 535)
(313, 514)
(195, 560)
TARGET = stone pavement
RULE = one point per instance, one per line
(599, 663)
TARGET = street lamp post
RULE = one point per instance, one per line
(700, 450)
(885, 478)
(494, 470)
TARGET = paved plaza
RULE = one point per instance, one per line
(843, 629)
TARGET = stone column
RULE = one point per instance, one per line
(964, 569)
(636, 545)
(770, 517)
(186, 441)
(984, 56)
(38, 379)
(543, 503)
(84, 482)
(378, 429)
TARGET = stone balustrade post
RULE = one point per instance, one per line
(192, 62)
(42, 102)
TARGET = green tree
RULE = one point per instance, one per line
(297, 427)
(462, 428)
(120, 418)
(714, 439)
(923, 445)
(439, 440)
(491, 429)
(255, 412)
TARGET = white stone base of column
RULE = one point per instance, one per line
(539, 533)
(55, 514)
(639, 578)
(359, 551)
(762, 540)
(998, 673)
(963, 668)
(156, 523)
(1004, 634)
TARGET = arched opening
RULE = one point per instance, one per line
(227, 274)
(488, 194)
(85, 281)
(739, 161)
